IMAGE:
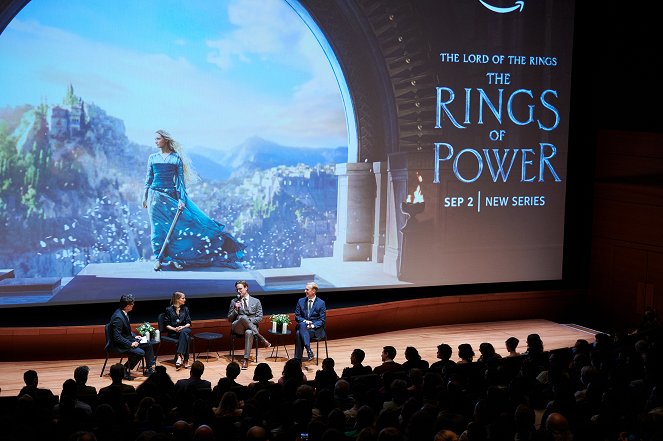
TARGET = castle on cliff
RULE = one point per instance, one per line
(70, 119)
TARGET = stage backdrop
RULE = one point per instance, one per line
(255, 93)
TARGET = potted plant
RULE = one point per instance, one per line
(280, 319)
(145, 330)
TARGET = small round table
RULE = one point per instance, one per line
(209, 337)
(278, 342)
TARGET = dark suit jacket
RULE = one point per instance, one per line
(353, 371)
(318, 314)
(174, 320)
(389, 366)
(42, 397)
(121, 334)
(195, 385)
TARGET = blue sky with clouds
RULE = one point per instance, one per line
(213, 73)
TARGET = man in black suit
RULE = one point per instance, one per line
(85, 393)
(124, 340)
(44, 398)
(195, 384)
(117, 391)
(356, 359)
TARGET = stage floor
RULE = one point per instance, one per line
(554, 335)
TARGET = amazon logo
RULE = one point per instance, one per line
(518, 5)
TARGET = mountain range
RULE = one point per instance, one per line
(259, 153)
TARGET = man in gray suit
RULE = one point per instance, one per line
(245, 314)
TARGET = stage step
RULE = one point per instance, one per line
(6, 274)
(283, 278)
(23, 286)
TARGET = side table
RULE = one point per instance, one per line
(209, 337)
(278, 342)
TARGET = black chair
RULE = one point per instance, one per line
(165, 338)
(317, 341)
(233, 336)
(110, 349)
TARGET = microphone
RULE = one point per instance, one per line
(239, 296)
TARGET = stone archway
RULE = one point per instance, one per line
(384, 67)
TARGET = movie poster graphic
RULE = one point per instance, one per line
(250, 94)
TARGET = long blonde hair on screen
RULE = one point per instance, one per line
(190, 175)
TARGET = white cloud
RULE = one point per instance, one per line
(199, 106)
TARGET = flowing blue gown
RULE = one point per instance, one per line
(196, 240)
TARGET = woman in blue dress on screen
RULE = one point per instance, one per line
(195, 240)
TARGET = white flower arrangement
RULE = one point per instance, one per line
(281, 318)
(145, 328)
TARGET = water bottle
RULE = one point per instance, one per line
(147, 336)
(157, 336)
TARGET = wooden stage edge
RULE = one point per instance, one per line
(87, 342)
(52, 374)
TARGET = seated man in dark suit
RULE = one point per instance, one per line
(228, 383)
(310, 315)
(116, 390)
(124, 340)
(194, 384)
(85, 393)
(44, 398)
(388, 363)
(356, 358)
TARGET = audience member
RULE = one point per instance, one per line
(118, 395)
(445, 365)
(156, 385)
(228, 406)
(326, 377)
(356, 359)
(649, 323)
(511, 344)
(292, 371)
(534, 345)
(195, 383)
(413, 360)
(43, 398)
(203, 433)
(182, 431)
(262, 378)
(257, 433)
(388, 363)
(69, 400)
(447, 435)
(488, 354)
(84, 392)
(465, 353)
(228, 383)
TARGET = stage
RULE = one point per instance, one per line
(554, 335)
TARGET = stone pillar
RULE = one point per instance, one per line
(355, 211)
(380, 222)
(403, 170)
(396, 193)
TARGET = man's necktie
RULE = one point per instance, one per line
(246, 307)
(308, 308)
